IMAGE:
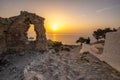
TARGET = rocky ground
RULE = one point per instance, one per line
(30, 65)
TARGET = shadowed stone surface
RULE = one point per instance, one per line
(52, 66)
(13, 32)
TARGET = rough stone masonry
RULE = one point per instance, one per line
(13, 33)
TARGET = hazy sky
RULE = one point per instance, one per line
(70, 16)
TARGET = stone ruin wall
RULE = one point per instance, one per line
(13, 33)
(111, 53)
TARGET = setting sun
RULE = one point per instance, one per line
(55, 27)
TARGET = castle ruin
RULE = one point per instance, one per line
(13, 33)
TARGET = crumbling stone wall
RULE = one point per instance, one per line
(13, 32)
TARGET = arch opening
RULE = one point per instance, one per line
(31, 33)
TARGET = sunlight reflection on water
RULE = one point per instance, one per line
(66, 38)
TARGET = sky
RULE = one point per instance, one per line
(67, 16)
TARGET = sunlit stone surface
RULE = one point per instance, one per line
(111, 52)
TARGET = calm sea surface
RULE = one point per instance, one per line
(67, 38)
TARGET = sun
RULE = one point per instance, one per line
(55, 27)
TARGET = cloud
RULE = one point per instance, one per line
(102, 10)
(107, 8)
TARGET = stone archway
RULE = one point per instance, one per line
(16, 32)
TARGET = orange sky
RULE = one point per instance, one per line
(69, 16)
(65, 23)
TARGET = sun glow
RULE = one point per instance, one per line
(55, 27)
(31, 33)
(58, 23)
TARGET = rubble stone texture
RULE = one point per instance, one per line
(13, 32)
(53, 66)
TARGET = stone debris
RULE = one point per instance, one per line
(31, 65)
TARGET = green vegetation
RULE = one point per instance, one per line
(81, 40)
(56, 45)
(100, 33)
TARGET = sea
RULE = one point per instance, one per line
(68, 39)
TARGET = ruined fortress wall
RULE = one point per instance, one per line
(3, 28)
(111, 53)
(13, 32)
